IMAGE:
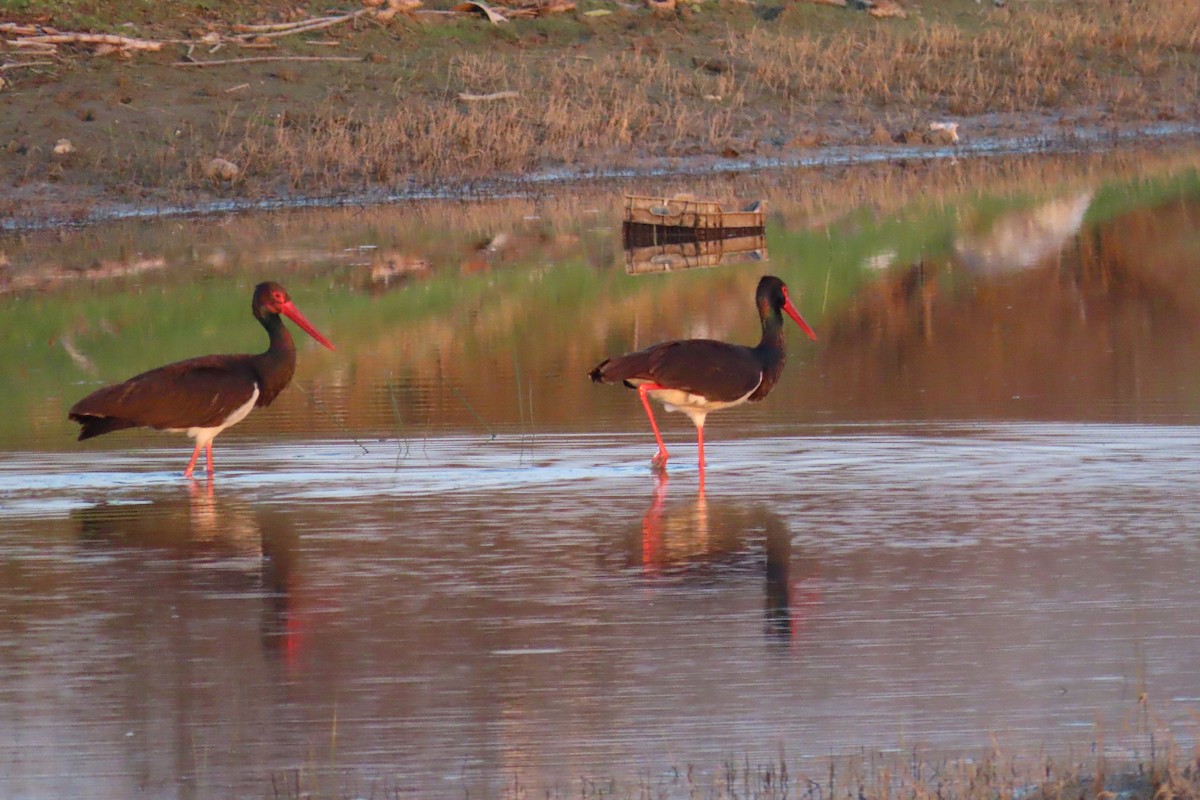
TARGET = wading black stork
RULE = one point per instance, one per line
(699, 376)
(203, 396)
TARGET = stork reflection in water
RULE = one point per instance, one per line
(707, 541)
(223, 545)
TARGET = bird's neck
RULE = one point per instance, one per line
(275, 366)
(770, 353)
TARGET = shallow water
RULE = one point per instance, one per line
(440, 565)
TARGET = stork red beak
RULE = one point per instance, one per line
(794, 314)
(291, 312)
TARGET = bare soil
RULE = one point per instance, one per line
(434, 99)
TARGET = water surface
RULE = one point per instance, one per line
(440, 564)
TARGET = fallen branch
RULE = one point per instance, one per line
(480, 8)
(282, 26)
(23, 30)
(123, 42)
(515, 9)
(261, 59)
(24, 64)
(314, 24)
(41, 47)
(472, 98)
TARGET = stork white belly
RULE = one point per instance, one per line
(205, 435)
(696, 406)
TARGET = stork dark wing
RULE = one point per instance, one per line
(715, 370)
(199, 392)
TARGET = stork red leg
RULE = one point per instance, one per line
(700, 443)
(660, 458)
(187, 473)
(208, 458)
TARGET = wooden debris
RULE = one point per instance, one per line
(686, 211)
(886, 8)
(40, 47)
(18, 29)
(535, 8)
(260, 59)
(304, 26)
(289, 27)
(838, 3)
(473, 98)
(25, 65)
(480, 8)
(395, 7)
(120, 42)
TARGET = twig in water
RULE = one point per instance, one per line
(458, 394)
(316, 401)
(532, 431)
(520, 409)
(399, 423)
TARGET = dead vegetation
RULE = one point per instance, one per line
(1146, 764)
(599, 109)
(564, 109)
(439, 99)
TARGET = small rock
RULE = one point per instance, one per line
(943, 132)
(880, 135)
(717, 65)
(63, 147)
(222, 170)
(887, 8)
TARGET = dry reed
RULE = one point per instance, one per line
(614, 108)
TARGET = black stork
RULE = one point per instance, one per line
(699, 376)
(203, 396)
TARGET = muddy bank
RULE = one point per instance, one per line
(433, 103)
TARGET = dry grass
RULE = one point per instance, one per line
(623, 91)
(1080, 52)
(1152, 766)
(569, 112)
(614, 108)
